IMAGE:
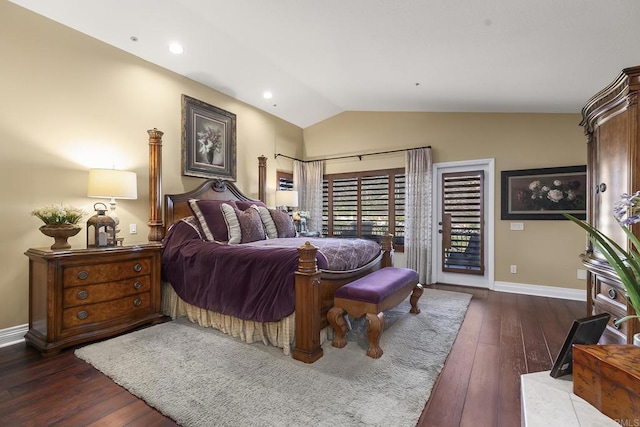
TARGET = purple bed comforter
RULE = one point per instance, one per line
(246, 281)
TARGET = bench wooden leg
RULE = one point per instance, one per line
(415, 296)
(376, 325)
(335, 316)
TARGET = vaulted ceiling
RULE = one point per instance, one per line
(320, 58)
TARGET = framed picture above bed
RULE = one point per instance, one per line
(208, 140)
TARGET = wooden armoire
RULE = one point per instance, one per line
(611, 123)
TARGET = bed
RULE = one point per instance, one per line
(306, 278)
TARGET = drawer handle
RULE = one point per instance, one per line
(615, 323)
(137, 268)
(83, 315)
(137, 285)
(83, 294)
(612, 293)
(137, 302)
(83, 275)
(603, 187)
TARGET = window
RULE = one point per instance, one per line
(285, 180)
(364, 204)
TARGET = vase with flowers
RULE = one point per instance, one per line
(626, 263)
(300, 221)
(60, 222)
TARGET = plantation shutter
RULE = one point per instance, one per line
(463, 236)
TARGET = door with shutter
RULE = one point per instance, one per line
(462, 222)
(463, 207)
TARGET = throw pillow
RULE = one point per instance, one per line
(210, 218)
(245, 204)
(269, 226)
(243, 226)
(283, 222)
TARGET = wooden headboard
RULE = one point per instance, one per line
(176, 206)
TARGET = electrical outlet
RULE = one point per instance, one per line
(133, 229)
(517, 226)
(582, 274)
(514, 269)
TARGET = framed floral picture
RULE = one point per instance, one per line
(544, 193)
(208, 140)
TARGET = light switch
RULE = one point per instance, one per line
(517, 226)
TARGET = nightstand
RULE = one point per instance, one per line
(81, 295)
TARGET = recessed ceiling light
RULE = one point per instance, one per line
(176, 48)
(267, 95)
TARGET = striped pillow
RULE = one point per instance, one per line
(211, 219)
(243, 226)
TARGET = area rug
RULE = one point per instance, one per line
(201, 377)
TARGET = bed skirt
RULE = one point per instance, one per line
(279, 334)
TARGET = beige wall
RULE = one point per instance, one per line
(69, 103)
(546, 252)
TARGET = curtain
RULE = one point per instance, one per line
(417, 213)
(307, 180)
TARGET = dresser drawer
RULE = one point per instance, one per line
(90, 294)
(95, 313)
(613, 333)
(611, 293)
(106, 272)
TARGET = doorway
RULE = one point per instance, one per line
(464, 223)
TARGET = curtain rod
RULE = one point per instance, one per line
(359, 156)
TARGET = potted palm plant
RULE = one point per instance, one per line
(626, 263)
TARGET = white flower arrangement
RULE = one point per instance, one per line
(298, 215)
(554, 195)
(59, 214)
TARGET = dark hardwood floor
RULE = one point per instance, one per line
(503, 336)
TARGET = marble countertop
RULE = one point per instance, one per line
(549, 402)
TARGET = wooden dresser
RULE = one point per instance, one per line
(81, 295)
(612, 126)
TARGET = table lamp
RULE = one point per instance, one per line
(286, 199)
(112, 184)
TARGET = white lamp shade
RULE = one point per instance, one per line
(286, 198)
(112, 183)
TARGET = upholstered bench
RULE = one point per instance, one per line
(371, 295)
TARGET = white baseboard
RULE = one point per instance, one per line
(13, 335)
(542, 291)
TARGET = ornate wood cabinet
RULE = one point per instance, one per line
(612, 126)
(81, 295)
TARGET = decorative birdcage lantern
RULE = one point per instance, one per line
(101, 228)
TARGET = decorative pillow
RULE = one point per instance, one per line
(283, 222)
(245, 204)
(211, 219)
(267, 222)
(243, 226)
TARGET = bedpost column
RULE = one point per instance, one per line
(307, 335)
(387, 248)
(262, 179)
(156, 228)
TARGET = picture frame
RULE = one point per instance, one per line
(544, 193)
(587, 330)
(208, 140)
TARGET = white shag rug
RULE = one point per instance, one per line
(201, 377)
